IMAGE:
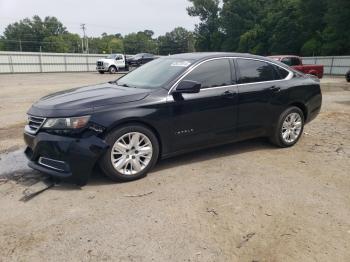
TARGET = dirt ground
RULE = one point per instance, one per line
(247, 201)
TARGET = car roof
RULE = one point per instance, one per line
(198, 57)
(208, 55)
(283, 56)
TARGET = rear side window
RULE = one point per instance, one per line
(212, 73)
(295, 61)
(280, 72)
(254, 71)
(287, 61)
(291, 61)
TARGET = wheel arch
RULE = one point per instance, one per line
(302, 107)
(116, 68)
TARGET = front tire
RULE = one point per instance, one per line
(112, 70)
(289, 128)
(133, 151)
(347, 76)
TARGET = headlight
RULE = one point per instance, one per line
(66, 123)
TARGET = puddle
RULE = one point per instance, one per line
(13, 162)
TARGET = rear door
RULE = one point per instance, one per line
(209, 116)
(256, 88)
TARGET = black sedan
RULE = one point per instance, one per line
(140, 59)
(167, 107)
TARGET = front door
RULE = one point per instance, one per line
(209, 116)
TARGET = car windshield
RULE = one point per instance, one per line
(111, 56)
(155, 74)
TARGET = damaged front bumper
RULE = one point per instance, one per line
(62, 156)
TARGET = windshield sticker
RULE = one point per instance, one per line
(181, 63)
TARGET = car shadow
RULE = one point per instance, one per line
(28, 177)
(258, 144)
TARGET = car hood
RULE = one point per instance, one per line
(85, 100)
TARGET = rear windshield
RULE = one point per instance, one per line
(155, 74)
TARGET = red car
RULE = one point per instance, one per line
(297, 63)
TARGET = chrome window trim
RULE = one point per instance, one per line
(191, 68)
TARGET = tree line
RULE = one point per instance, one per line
(265, 27)
(50, 35)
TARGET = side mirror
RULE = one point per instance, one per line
(187, 87)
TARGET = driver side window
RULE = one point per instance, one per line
(213, 73)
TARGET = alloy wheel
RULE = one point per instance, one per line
(131, 153)
(291, 128)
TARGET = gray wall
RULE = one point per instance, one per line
(24, 62)
(333, 65)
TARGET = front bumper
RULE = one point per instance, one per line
(62, 156)
(101, 68)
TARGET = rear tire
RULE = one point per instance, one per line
(133, 151)
(289, 128)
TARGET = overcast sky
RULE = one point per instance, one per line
(113, 16)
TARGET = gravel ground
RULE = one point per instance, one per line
(247, 201)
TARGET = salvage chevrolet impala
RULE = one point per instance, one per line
(169, 106)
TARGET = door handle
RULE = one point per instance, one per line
(229, 94)
(275, 89)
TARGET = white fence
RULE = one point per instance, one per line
(25, 62)
(333, 65)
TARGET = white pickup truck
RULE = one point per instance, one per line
(112, 64)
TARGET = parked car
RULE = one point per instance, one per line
(347, 76)
(112, 64)
(140, 59)
(297, 63)
(167, 107)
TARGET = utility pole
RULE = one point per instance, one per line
(82, 45)
(83, 27)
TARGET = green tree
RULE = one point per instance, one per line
(208, 34)
(237, 18)
(177, 41)
(106, 44)
(63, 43)
(140, 42)
(55, 44)
(336, 37)
(2, 44)
(28, 34)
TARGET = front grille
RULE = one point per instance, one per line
(34, 124)
(99, 63)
